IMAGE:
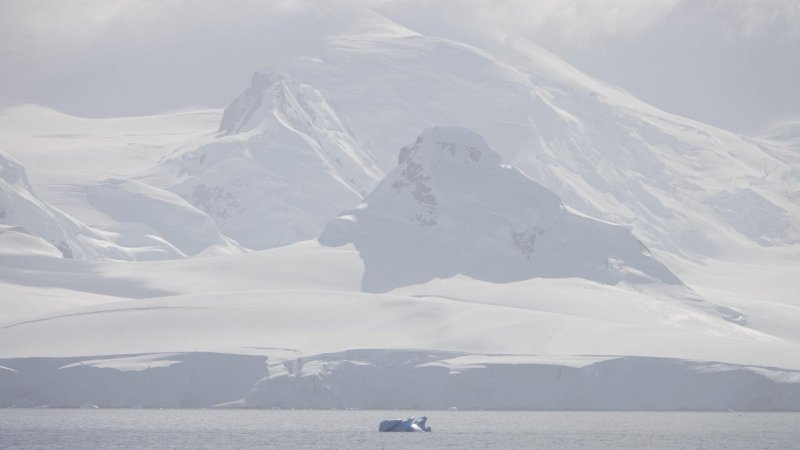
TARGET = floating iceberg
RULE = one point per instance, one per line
(410, 424)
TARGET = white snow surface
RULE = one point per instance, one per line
(142, 210)
(599, 244)
(136, 363)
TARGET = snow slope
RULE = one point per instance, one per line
(62, 150)
(304, 297)
(142, 210)
(282, 165)
(46, 228)
(787, 132)
(85, 167)
(298, 305)
(141, 207)
(452, 206)
(683, 186)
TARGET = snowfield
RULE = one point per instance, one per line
(394, 220)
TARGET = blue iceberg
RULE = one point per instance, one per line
(410, 424)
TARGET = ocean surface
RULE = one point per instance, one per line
(141, 428)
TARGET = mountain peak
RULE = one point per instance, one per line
(283, 164)
(261, 81)
(452, 206)
(265, 90)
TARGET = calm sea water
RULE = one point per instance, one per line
(75, 429)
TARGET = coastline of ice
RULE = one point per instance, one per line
(396, 379)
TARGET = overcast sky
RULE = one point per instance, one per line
(731, 63)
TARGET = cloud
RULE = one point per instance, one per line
(756, 17)
(111, 57)
(576, 21)
(45, 25)
(42, 24)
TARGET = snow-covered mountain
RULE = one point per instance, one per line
(683, 186)
(452, 206)
(282, 164)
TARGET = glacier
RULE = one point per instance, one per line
(382, 379)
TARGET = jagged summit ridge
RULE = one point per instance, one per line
(277, 97)
(246, 104)
(453, 206)
(282, 164)
(457, 145)
(440, 161)
(270, 92)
